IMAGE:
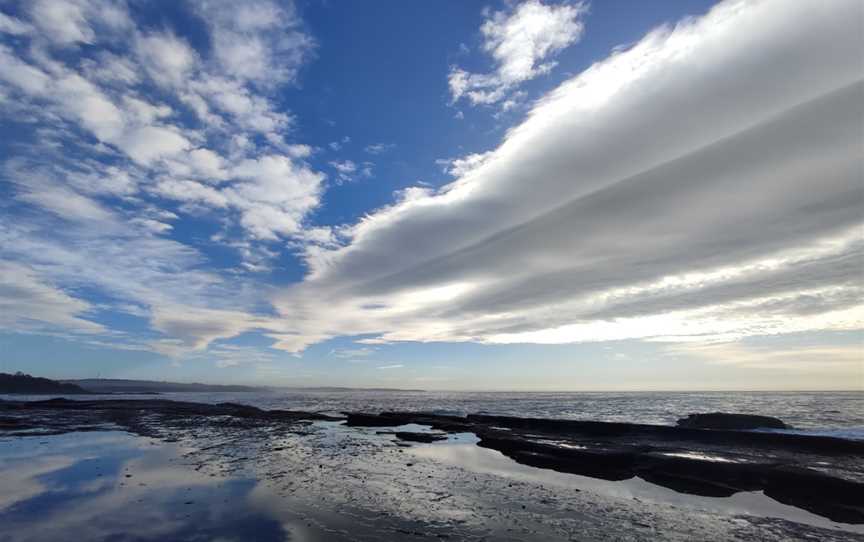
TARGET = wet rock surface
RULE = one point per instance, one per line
(318, 457)
(151, 418)
(824, 475)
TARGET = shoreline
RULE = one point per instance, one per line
(823, 475)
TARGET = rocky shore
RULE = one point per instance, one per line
(823, 475)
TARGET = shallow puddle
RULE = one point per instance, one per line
(463, 453)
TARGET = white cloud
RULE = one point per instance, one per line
(272, 193)
(229, 355)
(319, 236)
(352, 353)
(42, 189)
(200, 163)
(63, 22)
(345, 170)
(149, 143)
(461, 167)
(671, 176)
(110, 69)
(520, 43)
(79, 100)
(66, 23)
(207, 163)
(145, 112)
(412, 194)
(818, 360)
(29, 79)
(299, 151)
(190, 191)
(275, 195)
(100, 214)
(249, 110)
(196, 332)
(111, 15)
(110, 180)
(65, 203)
(379, 148)
(152, 226)
(14, 26)
(29, 303)
(346, 166)
(167, 58)
(129, 261)
(257, 40)
(82, 101)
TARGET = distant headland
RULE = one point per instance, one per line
(34, 385)
(117, 385)
(21, 383)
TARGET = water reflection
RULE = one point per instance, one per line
(465, 454)
(112, 486)
(334, 483)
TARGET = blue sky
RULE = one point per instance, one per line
(454, 195)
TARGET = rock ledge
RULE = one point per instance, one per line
(723, 420)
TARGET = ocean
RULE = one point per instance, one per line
(834, 413)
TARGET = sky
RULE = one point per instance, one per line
(501, 195)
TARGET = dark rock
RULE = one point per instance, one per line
(419, 437)
(12, 423)
(603, 463)
(393, 419)
(359, 419)
(722, 420)
(633, 432)
(823, 494)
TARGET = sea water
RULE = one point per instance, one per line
(839, 414)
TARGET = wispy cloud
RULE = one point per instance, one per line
(352, 353)
(379, 148)
(29, 302)
(818, 359)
